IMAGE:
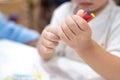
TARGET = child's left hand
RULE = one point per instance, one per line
(76, 32)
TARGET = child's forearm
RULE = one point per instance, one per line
(107, 65)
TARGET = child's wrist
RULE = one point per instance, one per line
(90, 48)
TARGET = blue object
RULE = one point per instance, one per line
(88, 12)
(14, 17)
(24, 77)
(13, 31)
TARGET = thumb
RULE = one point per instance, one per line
(80, 13)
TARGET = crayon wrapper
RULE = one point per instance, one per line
(88, 16)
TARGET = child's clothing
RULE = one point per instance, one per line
(105, 28)
(12, 31)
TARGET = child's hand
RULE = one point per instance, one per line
(76, 32)
(48, 42)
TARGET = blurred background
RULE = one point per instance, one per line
(35, 14)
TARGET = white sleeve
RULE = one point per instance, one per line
(57, 17)
(113, 42)
(55, 20)
(61, 13)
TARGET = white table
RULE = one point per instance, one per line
(16, 58)
(23, 59)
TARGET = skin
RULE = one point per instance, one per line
(33, 43)
(47, 43)
(73, 31)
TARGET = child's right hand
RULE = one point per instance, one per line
(76, 32)
(48, 42)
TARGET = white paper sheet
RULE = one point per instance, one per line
(19, 59)
(66, 69)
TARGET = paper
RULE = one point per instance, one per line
(66, 69)
(20, 61)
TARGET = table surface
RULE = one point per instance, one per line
(16, 58)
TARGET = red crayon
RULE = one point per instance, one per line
(88, 16)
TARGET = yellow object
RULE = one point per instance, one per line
(93, 15)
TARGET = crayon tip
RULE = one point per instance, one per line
(93, 15)
(88, 12)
